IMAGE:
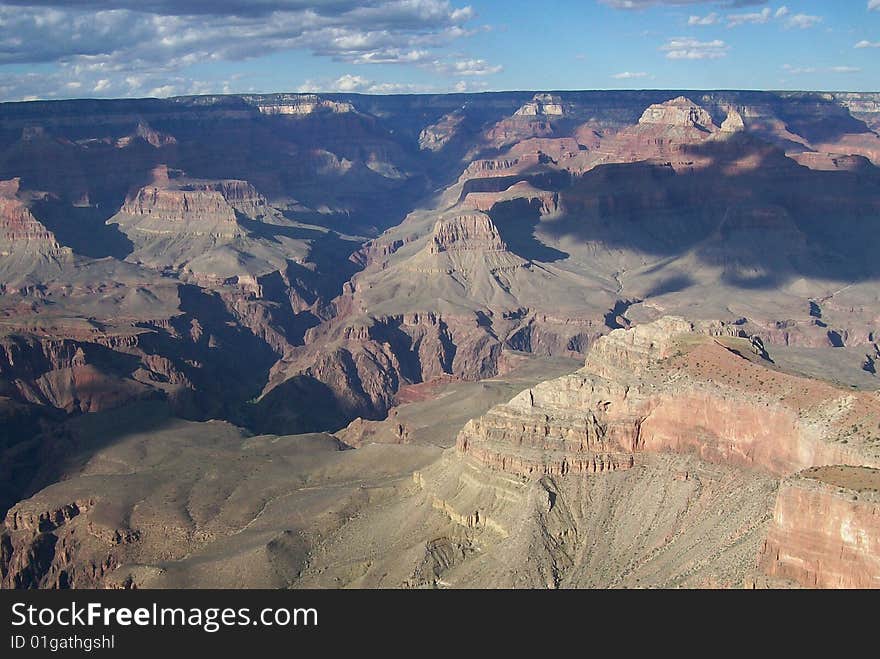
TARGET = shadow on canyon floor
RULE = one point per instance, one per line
(750, 208)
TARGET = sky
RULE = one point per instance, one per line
(138, 48)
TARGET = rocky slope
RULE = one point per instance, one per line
(26, 245)
(691, 505)
(673, 388)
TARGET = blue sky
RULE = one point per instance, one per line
(123, 48)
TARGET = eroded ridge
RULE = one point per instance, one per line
(675, 386)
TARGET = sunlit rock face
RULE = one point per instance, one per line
(673, 386)
(545, 105)
(825, 530)
(733, 123)
(679, 111)
(20, 231)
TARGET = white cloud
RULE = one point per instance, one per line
(803, 21)
(392, 56)
(94, 40)
(33, 86)
(351, 83)
(709, 19)
(864, 43)
(464, 86)
(694, 49)
(357, 84)
(641, 4)
(754, 18)
(873, 4)
(163, 91)
(468, 67)
(800, 70)
(789, 20)
(630, 75)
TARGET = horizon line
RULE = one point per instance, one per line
(448, 93)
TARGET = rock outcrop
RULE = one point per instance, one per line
(20, 231)
(542, 105)
(148, 134)
(826, 529)
(302, 104)
(733, 123)
(474, 231)
(175, 204)
(681, 112)
(665, 133)
(673, 386)
(436, 136)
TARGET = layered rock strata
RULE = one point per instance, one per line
(672, 386)
(20, 231)
(826, 529)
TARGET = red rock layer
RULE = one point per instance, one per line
(826, 530)
(665, 387)
(18, 226)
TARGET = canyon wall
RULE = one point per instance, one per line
(826, 529)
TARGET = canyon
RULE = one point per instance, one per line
(514, 339)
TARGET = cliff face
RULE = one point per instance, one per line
(542, 105)
(436, 136)
(675, 388)
(20, 231)
(301, 105)
(68, 375)
(826, 529)
(679, 111)
(362, 366)
(671, 386)
(202, 210)
(38, 551)
(466, 232)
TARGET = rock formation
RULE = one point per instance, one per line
(542, 105)
(436, 136)
(466, 232)
(681, 112)
(148, 134)
(20, 231)
(825, 529)
(173, 203)
(667, 386)
(357, 264)
(733, 123)
(302, 104)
